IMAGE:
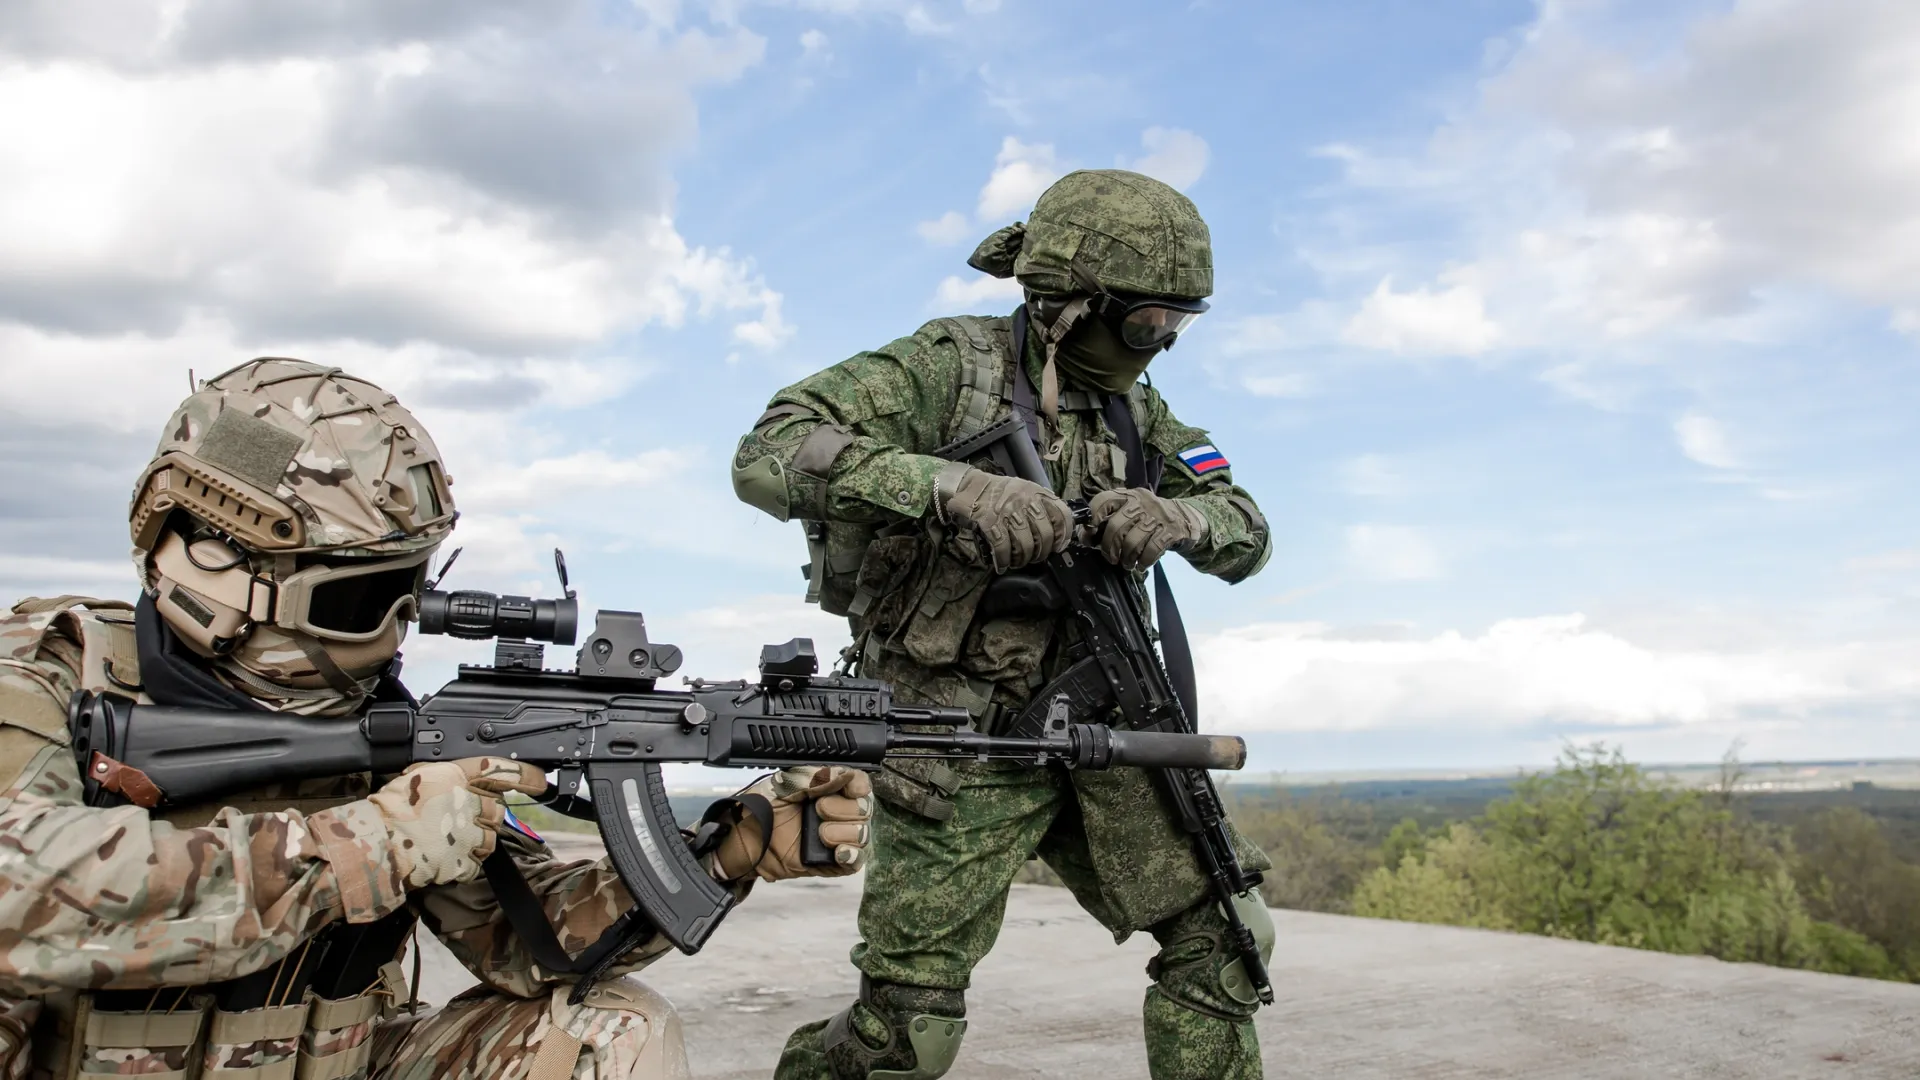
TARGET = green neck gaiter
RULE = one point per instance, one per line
(1093, 357)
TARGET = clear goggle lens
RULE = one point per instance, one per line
(1147, 326)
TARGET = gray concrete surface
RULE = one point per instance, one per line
(1358, 998)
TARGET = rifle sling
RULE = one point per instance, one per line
(529, 919)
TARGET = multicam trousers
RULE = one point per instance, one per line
(623, 1030)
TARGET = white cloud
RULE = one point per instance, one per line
(977, 291)
(1174, 156)
(1373, 475)
(1021, 171)
(949, 228)
(1393, 553)
(1704, 440)
(1553, 671)
(1618, 179)
(814, 45)
(351, 196)
(1450, 322)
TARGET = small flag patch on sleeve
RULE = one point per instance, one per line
(514, 823)
(1203, 459)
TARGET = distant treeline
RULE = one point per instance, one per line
(1597, 850)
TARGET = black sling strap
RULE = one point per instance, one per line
(1142, 472)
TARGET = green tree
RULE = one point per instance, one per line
(1597, 851)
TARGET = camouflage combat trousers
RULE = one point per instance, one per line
(623, 1030)
(936, 893)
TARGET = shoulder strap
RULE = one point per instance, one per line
(983, 378)
(1174, 647)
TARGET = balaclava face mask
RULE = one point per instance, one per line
(1094, 357)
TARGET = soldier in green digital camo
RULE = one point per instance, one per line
(281, 535)
(907, 543)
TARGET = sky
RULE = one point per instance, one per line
(1572, 348)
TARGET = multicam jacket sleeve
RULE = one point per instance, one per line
(581, 900)
(95, 897)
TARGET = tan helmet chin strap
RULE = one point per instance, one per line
(1050, 375)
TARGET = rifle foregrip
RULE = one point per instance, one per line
(1169, 750)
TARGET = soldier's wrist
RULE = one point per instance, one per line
(357, 847)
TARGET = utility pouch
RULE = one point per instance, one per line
(922, 786)
(937, 626)
(161, 1044)
(256, 1044)
(16, 1037)
(339, 1031)
(879, 596)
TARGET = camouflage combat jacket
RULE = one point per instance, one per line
(120, 898)
(853, 450)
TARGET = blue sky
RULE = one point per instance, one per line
(1571, 347)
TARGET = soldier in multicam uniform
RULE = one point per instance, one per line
(912, 547)
(282, 534)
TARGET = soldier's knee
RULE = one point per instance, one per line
(898, 1031)
(627, 1028)
(1196, 967)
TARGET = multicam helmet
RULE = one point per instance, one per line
(286, 522)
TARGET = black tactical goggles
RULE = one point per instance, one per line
(1145, 322)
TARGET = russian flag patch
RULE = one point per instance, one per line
(521, 827)
(1203, 459)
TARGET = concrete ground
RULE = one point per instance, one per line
(1358, 998)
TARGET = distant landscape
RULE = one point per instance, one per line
(1798, 864)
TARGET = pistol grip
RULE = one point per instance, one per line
(813, 850)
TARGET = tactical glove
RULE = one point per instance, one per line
(1136, 526)
(1021, 522)
(442, 816)
(843, 798)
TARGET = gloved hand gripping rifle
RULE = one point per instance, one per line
(602, 731)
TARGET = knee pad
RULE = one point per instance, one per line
(896, 1032)
(1197, 969)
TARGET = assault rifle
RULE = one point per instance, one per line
(603, 729)
(1117, 676)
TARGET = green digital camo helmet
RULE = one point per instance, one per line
(1115, 246)
(1135, 245)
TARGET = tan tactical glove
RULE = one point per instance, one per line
(1136, 526)
(843, 798)
(443, 816)
(1022, 522)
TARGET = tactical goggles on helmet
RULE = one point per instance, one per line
(331, 598)
(1142, 322)
(1149, 323)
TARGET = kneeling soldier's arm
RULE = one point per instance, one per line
(93, 897)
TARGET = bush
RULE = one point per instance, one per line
(1314, 867)
(1596, 851)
